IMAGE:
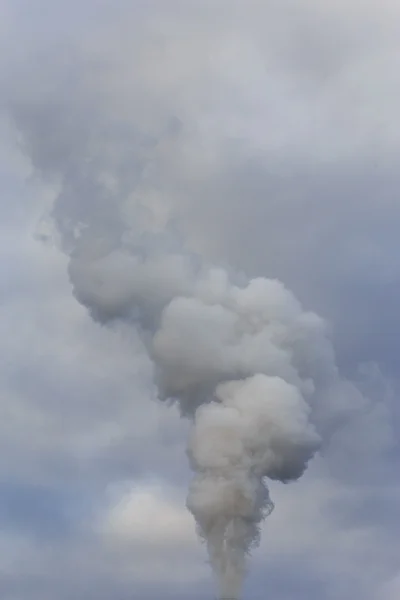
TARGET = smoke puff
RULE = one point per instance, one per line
(120, 285)
(276, 429)
(233, 334)
(261, 424)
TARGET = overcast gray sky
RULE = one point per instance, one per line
(267, 133)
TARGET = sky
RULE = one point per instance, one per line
(265, 134)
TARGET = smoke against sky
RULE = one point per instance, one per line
(165, 138)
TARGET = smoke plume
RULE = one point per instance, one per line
(252, 370)
(243, 363)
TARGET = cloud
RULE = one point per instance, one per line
(148, 528)
(146, 516)
(391, 590)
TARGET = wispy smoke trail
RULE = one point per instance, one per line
(252, 369)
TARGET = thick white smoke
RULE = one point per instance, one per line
(255, 428)
(244, 361)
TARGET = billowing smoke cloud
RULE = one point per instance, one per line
(244, 361)
(247, 364)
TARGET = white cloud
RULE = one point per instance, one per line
(146, 516)
(148, 527)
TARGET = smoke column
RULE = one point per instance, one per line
(253, 371)
(239, 360)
